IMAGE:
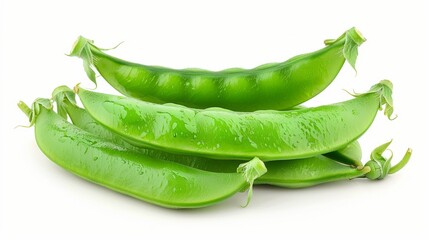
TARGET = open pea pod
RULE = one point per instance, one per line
(164, 183)
(269, 86)
(223, 134)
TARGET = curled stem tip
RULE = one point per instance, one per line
(401, 163)
(108, 49)
(251, 170)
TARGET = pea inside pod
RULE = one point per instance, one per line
(164, 183)
(223, 134)
(269, 86)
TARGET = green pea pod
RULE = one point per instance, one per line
(223, 134)
(290, 174)
(164, 183)
(269, 86)
(309, 172)
(66, 104)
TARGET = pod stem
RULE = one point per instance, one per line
(61, 95)
(251, 170)
(384, 89)
(380, 166)
(32, 112)
(82, 49)
(352, 38)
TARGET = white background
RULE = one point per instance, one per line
(40, 199)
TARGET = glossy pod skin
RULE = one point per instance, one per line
(275, 86)
(309, 172)
(223, 134)
(300, 173)
(163, 183)
(289, 174)
(66, 105)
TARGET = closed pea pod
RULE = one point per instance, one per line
(163, 183)
(270, 86)
(223, 134)
(290, 174)
(309, 172)
(65, 99)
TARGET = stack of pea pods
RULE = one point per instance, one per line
(191, 138)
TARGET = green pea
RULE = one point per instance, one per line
(237, 89)
(201, 88)
(170, 86)
(269, 86)
(164, 183)
(224, 134)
